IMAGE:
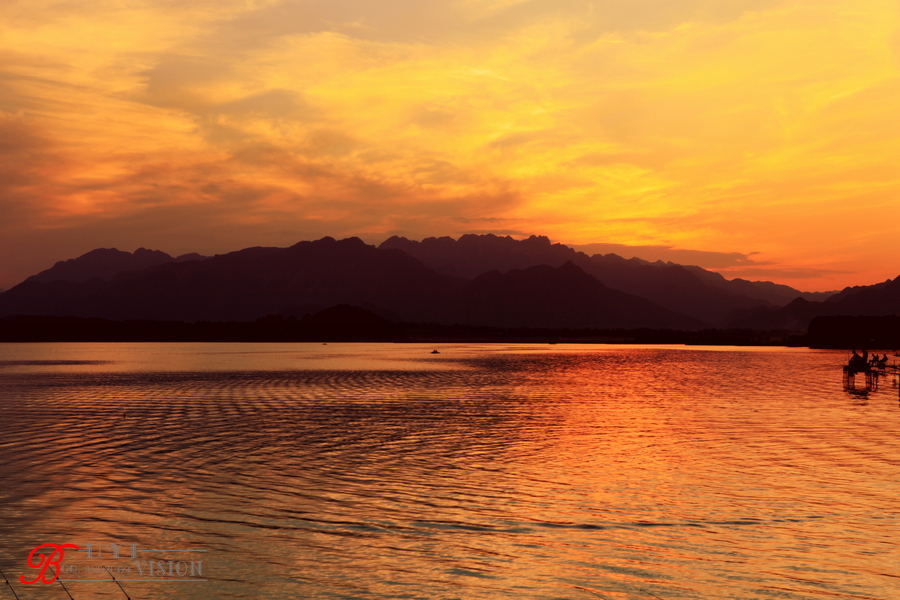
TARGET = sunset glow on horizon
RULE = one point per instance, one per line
(763, 136)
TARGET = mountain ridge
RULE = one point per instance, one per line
(477, 279)
(880, 299)
(689, 290)
(106, 263)
(313, 275)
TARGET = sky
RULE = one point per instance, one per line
(758, 138)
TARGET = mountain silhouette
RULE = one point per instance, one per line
(245, 285)
(878, 299)
(478, 280)
(311, 276)
(867, 291)
(691, 290)
(873, 300)
(106, 263)
(565, 296)
(471, 255)
(776, 294)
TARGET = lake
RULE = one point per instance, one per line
(491, 471)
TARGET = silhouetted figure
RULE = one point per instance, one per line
(435, 352)
(858, 363)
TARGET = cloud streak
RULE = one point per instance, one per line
(700, 258)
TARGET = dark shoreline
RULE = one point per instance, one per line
(310, 329)
(352, 324)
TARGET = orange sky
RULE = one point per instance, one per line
(764, 136)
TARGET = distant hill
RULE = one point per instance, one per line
(472, 255)
(865, 290)
(311, 276)
(564, 296)
(794, 316)
(880, 299)
(245, 285)
(775, 293)
(476, 280)
(671, 286)
(690, 290)
(106, 263)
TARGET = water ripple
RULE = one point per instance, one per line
(489, 472)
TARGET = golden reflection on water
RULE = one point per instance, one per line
(493, 471)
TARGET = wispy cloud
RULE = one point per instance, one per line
(783, 273)
(700, 258)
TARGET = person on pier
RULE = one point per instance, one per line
(858, 363)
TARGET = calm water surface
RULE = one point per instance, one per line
(373, 471)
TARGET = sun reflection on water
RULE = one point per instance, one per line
(494, 471)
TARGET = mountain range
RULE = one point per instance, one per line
(691, 291)
(106, 263)
(473, 280)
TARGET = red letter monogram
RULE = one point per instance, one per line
(59, 552)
